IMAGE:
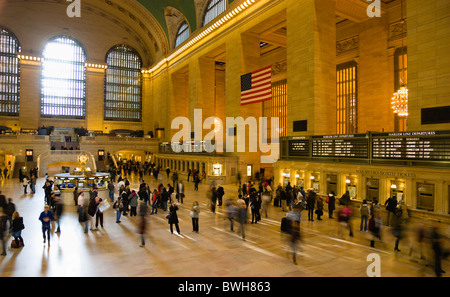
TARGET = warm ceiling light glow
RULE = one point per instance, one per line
(399, 102)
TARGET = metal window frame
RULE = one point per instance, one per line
(345, 87)
(124, 65)
(9, 74)
(65, 107)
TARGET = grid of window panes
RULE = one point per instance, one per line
(63, 93)
(347, 98)
(9, 74)
(277, 107)
(214, 8)
(182, 34)
(123, 85)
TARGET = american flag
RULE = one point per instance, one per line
(256, 86)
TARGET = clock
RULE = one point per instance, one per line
(83, 159)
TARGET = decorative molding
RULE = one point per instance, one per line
(347, 45)
(279, 67)
(398, 30)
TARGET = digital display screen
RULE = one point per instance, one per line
(341, 146)
(433, 146)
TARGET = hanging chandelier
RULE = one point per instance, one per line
(399, 101)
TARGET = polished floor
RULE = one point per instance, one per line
(213, 252)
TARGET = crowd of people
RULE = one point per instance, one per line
(247, 206)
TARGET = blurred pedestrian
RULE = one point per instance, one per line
(59, 207)
(143, 223)
(294, 239)
(3, 219)
(436, 245)
(46, 217)
(397, 229)
(391, 205)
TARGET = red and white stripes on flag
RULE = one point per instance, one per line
(256, 86)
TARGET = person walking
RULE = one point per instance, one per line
(46, 217)
(59, 207)
(173, 217)
(17, 227)
(195, 210)
(365, 213)
(375, 224)
(99, 214)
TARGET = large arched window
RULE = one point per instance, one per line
(214, 8)
(63, 93)
(182, 34)
(123, 85)
(9, 74)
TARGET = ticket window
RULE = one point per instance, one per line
(286, 178)
(300, 179)
(397, 189)
(314, 179)
(217, 169)
(332, 183)
(425, 196)
(350, 186)
(372, 189)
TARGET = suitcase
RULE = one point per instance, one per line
(284, 225)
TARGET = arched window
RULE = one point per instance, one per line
(63, 92)
(182, 34)
(214, 8)
(123, 85)
(9, 74)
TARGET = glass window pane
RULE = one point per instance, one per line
(123, 85)
(9, 74)
(346, 98)
(63, 79)
(214, 8)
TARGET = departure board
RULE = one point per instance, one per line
(341, 146)
(433, 146)
(299, 148)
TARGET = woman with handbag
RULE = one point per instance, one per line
(173, 217)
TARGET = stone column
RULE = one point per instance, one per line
(428, 59)
(311, 65)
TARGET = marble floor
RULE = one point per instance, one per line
(213, 252)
